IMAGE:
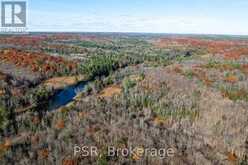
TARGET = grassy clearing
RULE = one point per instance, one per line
(110, 91)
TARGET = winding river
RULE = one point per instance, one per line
(66, 95)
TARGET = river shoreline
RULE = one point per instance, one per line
(63, 92)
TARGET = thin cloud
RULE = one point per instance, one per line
(132, 23)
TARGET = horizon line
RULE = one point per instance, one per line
(131, 32)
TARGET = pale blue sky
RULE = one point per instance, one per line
(157, 16)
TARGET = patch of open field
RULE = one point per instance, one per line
(110, 91)
(62, 82)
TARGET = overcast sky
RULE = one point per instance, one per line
(157, 16)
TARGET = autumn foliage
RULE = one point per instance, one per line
(231, 79)
(37, 62)
(230, 49)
